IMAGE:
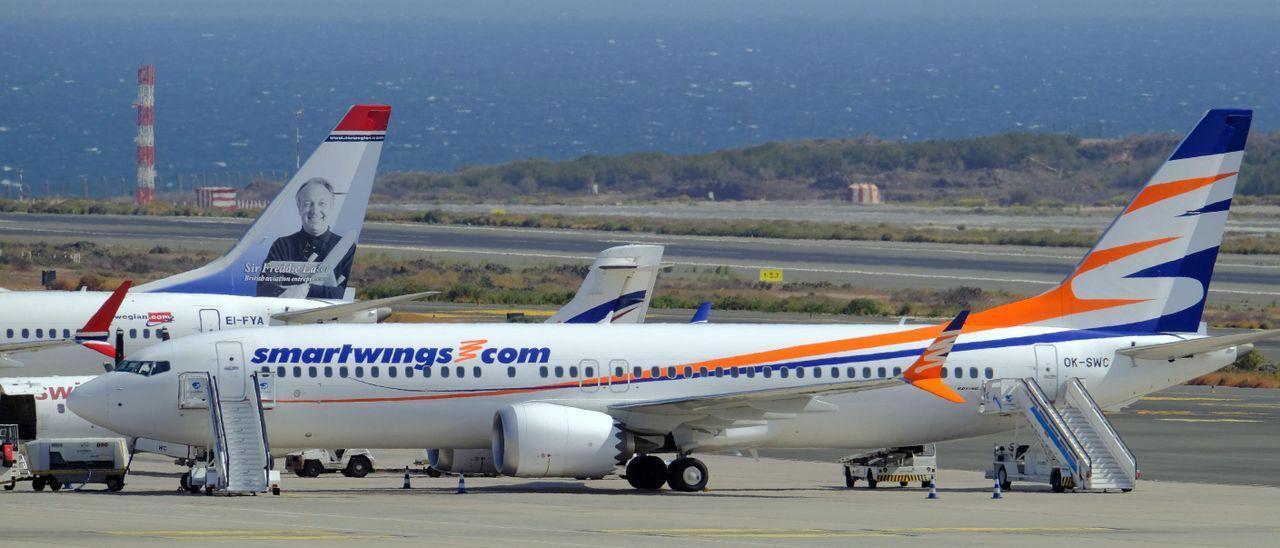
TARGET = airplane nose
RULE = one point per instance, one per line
(92, 400)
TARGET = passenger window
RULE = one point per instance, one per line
(835, 372)
(655, 372)
(751, 372)
(297, 371)
(311, 372)
(589, 372)
(444, 371)
(973, 372)
(39, 333)
(817, 372)
(391, 372)
(573, 371)
(781, 372)
(799, 372)
(62, 409)
(619, 371)
(866, 372)
(989, 373)
(475, 371)
(8, 333)
(342, 371)
(426, 372)
(944, 372)
(542, 371)
(373, 371)
(897, 371)
(733, 372)
(637, 372)
(688, 371)
(671, 372)
(880, 371)
(359, 372)
(702, 371)
(460, 372)
(280, 371)
(328, 371)
(146, 333)
(133, 333)
(959, 373)
(25, 333)
(511, 371)
(559, 371)
(408, 371)
(66, 333)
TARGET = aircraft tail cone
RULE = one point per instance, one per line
(406, 478)
(462, 484)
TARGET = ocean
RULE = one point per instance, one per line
(486, 82)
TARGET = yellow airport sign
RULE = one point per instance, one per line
(771, 275)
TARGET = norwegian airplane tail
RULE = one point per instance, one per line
(303, 243)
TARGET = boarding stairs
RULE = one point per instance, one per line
(240, 450)
(1074, 431)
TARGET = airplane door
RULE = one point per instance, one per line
(231, 371)
(1047, 369)
(210, 320)
(621, 381)
(590, 380)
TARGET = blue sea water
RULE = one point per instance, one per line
(486, 82)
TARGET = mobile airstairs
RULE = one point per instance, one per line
(1081, 445)
(239, 455)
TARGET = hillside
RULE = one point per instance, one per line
(1005, 169)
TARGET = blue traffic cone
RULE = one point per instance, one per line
(995, 491)
(406, 478)
(933, 489)
(462, 484)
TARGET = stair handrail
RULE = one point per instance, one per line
(220, 433)
(1129, 462)
(1085, 465)
(262, 421)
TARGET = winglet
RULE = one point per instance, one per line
(703, 315)
(95, 333)
(926, 372)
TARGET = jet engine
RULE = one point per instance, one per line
(539, 440)
(462, 461)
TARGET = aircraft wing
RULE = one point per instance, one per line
(334, 312)
(793, 399)
(1178, 349)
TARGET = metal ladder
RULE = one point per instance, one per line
(1075, 432)
(241, 452)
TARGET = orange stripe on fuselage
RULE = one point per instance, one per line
(1164, 191)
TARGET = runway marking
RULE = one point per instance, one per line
(1209, 420)
(727, 533)
(246, 534)
(1147, 412)
(1185, 398)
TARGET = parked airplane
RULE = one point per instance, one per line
(38, 404)
(291, 266)
(579, 400)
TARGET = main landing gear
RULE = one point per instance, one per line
(649, 472)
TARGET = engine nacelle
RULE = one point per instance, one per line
(539, 440)
(462, 461)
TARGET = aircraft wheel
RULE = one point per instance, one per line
(1003, 478)
(358, 467)
(208, 490)
(687, 474)
(9, 486)
(115, 483)
(433, 472)
(312, 469)
(647, 472)
(54, 484)
(871, 480)
(1055, 480)
(902, 484)
(849, 480)
(926, 484)
(275, 491)
(37, 483)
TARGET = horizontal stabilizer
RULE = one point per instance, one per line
(1178, 349)
(335, 312)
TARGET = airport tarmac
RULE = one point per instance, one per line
(749, 502)
(1018, 269)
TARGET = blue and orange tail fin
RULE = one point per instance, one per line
(926, 372)
(1150, 270)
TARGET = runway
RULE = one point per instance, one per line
(749, 502)
(1018, 269)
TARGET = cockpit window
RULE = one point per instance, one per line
(144, 368)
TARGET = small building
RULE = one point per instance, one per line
(222, 197)
(863, 194)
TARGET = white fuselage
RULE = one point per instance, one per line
(42, 315)
(332, 391)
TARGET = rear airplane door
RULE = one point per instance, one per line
(210, 320)
(1047, 369)
(231, 371)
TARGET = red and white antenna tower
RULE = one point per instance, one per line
(146, 139)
